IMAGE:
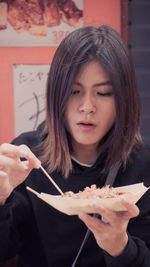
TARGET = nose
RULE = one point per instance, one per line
(87, 105)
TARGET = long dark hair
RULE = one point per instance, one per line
(78, 48)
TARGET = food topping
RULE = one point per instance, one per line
(94, 192)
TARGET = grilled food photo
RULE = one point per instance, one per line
(35, 16)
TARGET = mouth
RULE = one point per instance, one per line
(86, 124)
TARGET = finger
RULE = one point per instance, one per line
(113, 217)
(30, 156)
(3, 174)
(91, 222)
(6, 163)
(109, 215)
(132, 209)
(4, 187)
(21, 151)
(10, 150)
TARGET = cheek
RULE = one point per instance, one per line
(110, 113)
(113, 113)
(70, 109)
(66, 120)
(68, 116)
(110, 109)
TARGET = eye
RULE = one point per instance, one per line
(105, 94)
(75, 92)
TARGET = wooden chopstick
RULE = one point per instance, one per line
(33, 191)
(52, 181)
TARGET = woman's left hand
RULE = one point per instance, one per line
(111, 235)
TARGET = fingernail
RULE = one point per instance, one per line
(38, 164)
(24, 165)
(125, 200)
(81, 215)
(23, 153)
(97, 205)
(104, 220)
(3, 173)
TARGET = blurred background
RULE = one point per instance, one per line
(139, 44)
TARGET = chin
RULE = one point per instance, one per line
(87, 142)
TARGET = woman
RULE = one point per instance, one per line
(91, 126)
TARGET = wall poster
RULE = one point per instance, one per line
(29, 96)
(38, 23)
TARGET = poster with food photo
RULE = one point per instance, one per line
(38, 22)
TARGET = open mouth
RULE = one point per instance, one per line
(85, 124)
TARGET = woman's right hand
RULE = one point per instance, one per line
(13, 171)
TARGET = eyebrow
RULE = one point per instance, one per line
(96, 84)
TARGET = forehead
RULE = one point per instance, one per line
(92, 71)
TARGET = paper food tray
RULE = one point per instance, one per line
(73, 206)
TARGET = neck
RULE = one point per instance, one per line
(85, 154)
